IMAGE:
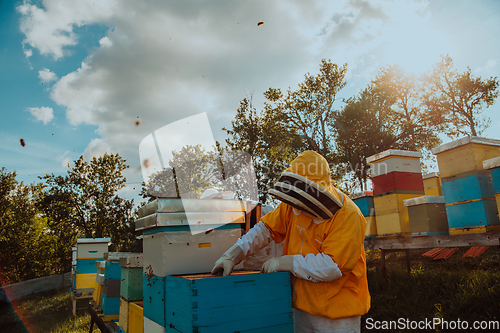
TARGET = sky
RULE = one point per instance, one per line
(88, 77)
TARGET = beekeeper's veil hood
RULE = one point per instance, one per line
(306, 186)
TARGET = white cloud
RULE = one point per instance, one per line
(43, 114)
(96, 147)
(46, 75)
(490, 64)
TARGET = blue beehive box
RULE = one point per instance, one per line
(154, 298)
(242, 302)
(472, 214)
(110, 305)
(467, 187)
(112, 271)
(364, 201)
(494, 166)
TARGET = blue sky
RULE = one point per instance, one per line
(105, 64)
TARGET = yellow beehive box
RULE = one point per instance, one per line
(432, 184)
(464, 155)
(392, 215)
(497, 197)
(85, 281)
(135, 318)
(97, 294)
(475, 230)
(371, 226)
(123, 319)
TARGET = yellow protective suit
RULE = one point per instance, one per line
(340, 237)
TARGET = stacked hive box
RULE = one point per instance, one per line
(110, 303)
(432, 184)
(395, 176)
(467, 188)
(131, 294)
(88, 251)
(364, 201)
(493, 165)
(170, 247)
(174, 246)
(99, 283)
(427, 216)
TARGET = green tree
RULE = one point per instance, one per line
(26, 244)
(389, 114)
(459, 98)
(289, 124)
(86, 199)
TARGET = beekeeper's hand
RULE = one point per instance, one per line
(225, 264)
(279, 264)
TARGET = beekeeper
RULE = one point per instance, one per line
(323, 233)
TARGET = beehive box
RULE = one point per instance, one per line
(432, 184)
(241, 302)
(131, 278)
(135, 318)
(401, 182)
(472, 214)
(392, 215)
(468, 186)
(124, 315)
(493, 165)
(394, 160)
(364, 201)
(427, 216)
(91, 248)
(110, 305)
(154, 299)
(180, 252)
(111, 288)
(475, 230)
(152, 327)
(371, 227)
(465, 155)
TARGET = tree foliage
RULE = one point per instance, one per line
(459, 98)
(289, 124)
(86, 200)
(26, 245)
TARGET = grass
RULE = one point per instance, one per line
(44, 313)
(457, 288)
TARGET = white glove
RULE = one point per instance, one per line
(225, 264)
(314, 268)
(280, 264)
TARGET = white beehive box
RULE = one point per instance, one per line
(91, 248)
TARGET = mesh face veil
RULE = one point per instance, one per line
(305, 195)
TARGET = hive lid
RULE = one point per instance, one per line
(115, 256)
(92, 240)
(393, 153)
(492, 163)
(198, 219)
(134, 260)
(177, 205)
(362, 194)
(423, 200)
(464, 141)
(430, 175)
